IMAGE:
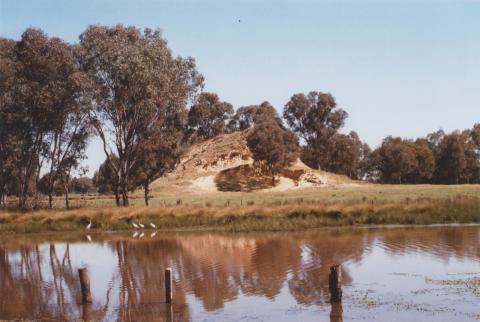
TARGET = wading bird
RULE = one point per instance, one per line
(141, 225)
(134, 225)
(153, 225)
(90, 224)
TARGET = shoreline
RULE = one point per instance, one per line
(268, 217)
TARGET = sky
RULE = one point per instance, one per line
(398, 67)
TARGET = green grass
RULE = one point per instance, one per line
(364, 192)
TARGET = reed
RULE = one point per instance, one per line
(272, 216)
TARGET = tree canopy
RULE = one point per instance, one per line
(207, 117)
(273, 147)
(138, 87)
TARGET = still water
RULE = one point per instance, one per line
(389, 274)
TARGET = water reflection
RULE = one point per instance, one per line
(39, 278)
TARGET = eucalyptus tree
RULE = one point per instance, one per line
(451, 160)
(137, 82)
(41, 89)
(157, 158)
(248, 116)
(316, 119)
(273, 146)
(105, 179)
(70, 126)
(207, 117)
(8, 131)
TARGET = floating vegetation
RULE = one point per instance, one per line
(464, 286)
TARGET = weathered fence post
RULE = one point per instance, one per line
(336, 313)
(87, 312)
(85, 285)
(335, 284)
(169, 313)
(168, 285)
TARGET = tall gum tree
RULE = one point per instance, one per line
(315, 118)
(70, 127)
(207, 117)
(137, 82)
(34, 98)
(8, 130)
(273, 146)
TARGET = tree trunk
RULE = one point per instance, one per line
(67, 202)
(146, 191)
(125, 198)
(2, 193)
(50, 200)
(22, 199)
(123, 184)
(3, 196)
(117, 197)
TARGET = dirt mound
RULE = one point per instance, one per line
(242, 178)
(225, 163)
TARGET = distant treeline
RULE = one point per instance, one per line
(124, 86)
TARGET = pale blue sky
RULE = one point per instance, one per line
(398, 67)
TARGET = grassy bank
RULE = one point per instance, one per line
(289, 214)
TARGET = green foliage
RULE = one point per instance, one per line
(43, 110)
(140, 95)
(248, 116)
(207, 117)
(439, 158)
(81, 185)
(273, 146)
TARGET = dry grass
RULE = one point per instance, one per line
(287, 214)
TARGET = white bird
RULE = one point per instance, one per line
(90, 224)
(141, 235)
(141, 225)
(134, 225)
(153, 225)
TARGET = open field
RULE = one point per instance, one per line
(328, 195)
(360, 205)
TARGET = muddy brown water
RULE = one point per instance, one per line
(389, 274)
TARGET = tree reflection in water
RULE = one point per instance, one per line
(39, 280)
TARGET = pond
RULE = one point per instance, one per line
(388, 274)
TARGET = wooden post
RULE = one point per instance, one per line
(336, 313)
(169, 312)
(168, 285)
(85, 285)
(335, 284)
(87, 312)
